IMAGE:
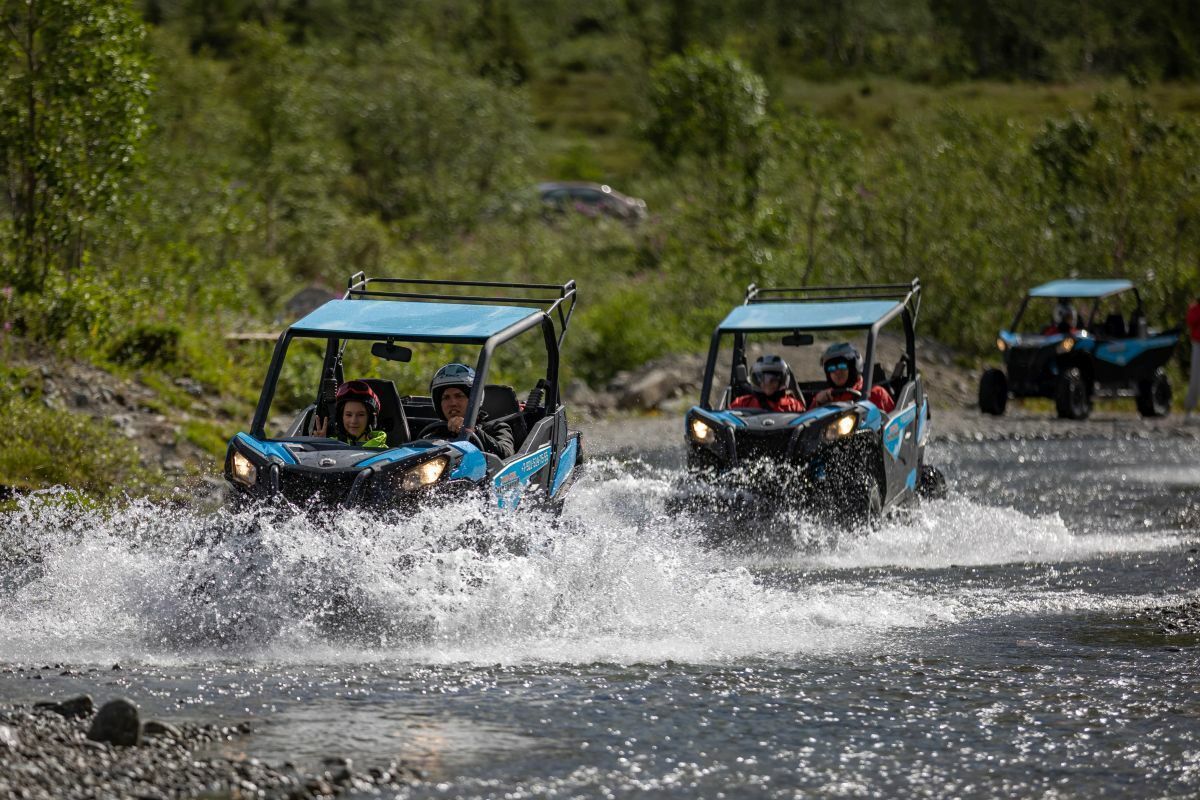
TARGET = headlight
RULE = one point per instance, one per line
(701, 431)
(842, 426)
(1001, 345)
(243, 469)
(1066, 345)
(424, 474)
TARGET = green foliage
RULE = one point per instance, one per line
(73, 97)
(147, 344)
(45, 447)
(432, 146)
(711, 106)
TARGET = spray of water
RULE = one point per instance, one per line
(618, 577)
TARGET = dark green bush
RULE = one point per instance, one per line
(148, 344)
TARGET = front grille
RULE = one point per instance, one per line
(1027, 368)
(321, 488)
(755, 446)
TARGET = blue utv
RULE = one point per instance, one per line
(281, 458)
(847, 461)
(1105, 349)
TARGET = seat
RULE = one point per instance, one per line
(391, 412)
(741, 383)
(501, 405)
(1114, 326)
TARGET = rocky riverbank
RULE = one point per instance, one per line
(71, 749)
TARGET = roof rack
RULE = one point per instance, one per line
(561, 303)
(907, 293)
(803, 294)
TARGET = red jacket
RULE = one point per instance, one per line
(787, 403)
(1193, 321)
(878, 395)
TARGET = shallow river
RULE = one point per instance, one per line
(1005, 642)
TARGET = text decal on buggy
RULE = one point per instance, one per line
(893, 434)
(513, 479)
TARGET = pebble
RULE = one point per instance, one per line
(44, 755)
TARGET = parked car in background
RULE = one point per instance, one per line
(591, 199)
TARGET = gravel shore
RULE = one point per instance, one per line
(63, 751)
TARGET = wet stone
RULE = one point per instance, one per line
(117, 722)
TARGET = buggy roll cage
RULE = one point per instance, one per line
(535, 295)
(1091, 318)
(907, 295)
(359, 286)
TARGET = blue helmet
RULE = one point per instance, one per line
(459, 375)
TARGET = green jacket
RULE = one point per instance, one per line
(371, 438)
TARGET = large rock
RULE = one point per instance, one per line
(649, 389)
(117, 723)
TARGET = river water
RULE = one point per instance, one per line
(1005, 642)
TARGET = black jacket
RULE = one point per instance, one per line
(496, 437)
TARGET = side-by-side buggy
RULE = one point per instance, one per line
(848, 458)
(1073, 355)
(364, 336)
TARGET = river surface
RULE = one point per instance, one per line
(1003, 642)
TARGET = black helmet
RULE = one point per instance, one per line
(361, 392)
(455, 374)
(770, 365)
(842, 353)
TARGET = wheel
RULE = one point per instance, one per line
(931, 483)
(1154, 395)
(993, 392)
(863, 502)
(1071, 395)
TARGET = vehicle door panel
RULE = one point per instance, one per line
(900, 451)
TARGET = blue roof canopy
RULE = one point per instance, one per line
(1081, 288)
(412, 321)
(807, 316)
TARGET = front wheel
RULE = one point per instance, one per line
(1154, 395)
(993, 392)
(864, 501)
(1071, 396)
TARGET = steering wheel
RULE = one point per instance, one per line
(855, 394)
(433, 426)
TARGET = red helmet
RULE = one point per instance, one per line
(361, 392)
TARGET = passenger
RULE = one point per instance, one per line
(843, 368)
(451, 392)
(356, 406)
(770, 378)
(1064, 319)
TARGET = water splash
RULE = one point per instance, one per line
(617, 578)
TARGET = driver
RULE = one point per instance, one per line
(770, 378)
(451, 392)
(1064, 319)
(843, 368)
(356, 407)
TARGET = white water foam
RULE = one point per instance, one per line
(616, 579)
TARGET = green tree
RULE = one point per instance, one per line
(73, 100)
(709, 106)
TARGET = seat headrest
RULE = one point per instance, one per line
(500, 401)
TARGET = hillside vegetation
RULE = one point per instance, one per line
(176, 169)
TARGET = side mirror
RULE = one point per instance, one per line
(391, 352)
(798, 340)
